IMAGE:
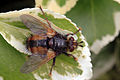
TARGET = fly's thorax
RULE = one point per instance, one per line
(58, 43)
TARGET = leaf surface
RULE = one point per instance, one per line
(15, 33)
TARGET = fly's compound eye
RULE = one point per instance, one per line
(72, 38)
(71, 48)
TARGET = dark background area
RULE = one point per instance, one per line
(11, 5)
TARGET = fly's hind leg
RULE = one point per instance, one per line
(76, 59)
(53, 64)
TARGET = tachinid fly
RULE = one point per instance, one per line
(46, 43)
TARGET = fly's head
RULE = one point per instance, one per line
(73, 44)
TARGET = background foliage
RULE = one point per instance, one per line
(96, 17)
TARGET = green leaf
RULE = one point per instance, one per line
(45, 2)
(14, 35)
(10, 63)
(66, 68)
(60, 6)
(61, 2)
(107, 63)
(97, 21)
(104, 61)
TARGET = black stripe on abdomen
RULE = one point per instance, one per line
(37, 43)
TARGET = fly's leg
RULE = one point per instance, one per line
(53, 64)
(74, 32)
(76, 59)
(45, 16)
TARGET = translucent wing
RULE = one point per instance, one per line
(37, 26)
(37, 60)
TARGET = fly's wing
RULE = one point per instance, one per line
(37, 26)
(37, 60)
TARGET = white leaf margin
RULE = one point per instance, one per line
(15, 42)
(84, 60)
(99, 44)
(1, 78)
(117, 1)
(53, 6)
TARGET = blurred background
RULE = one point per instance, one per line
(97, 19)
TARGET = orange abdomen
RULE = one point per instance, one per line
(37, 44)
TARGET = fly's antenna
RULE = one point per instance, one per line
(45, 16)
(79, 43)
(77, 31)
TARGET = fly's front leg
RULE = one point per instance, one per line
(53, 64)
(76, 59)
